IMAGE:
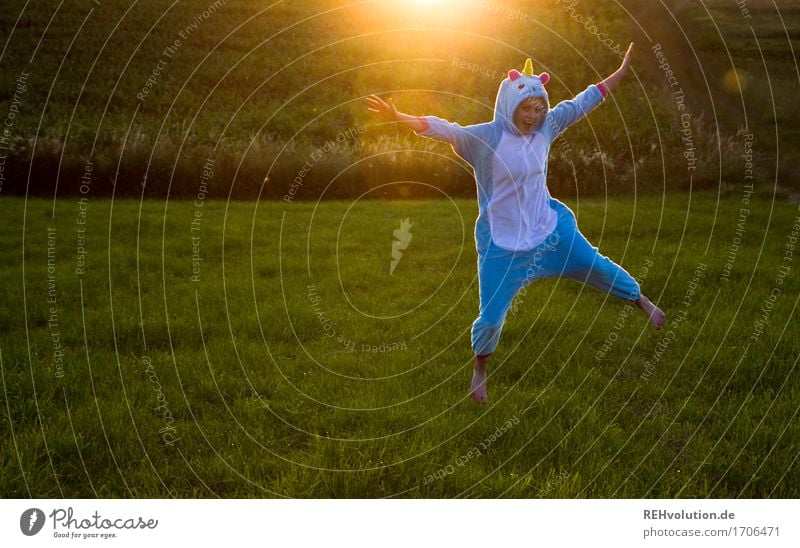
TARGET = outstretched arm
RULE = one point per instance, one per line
(464, 140)
(620, 73)
(568, 112)
(389, 111)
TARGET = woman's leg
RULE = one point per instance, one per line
(477, 388)
(584, 263)
(500, 277)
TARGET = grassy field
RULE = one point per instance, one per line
(290, 362)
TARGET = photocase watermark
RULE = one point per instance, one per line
(351, 345)
(483, 70)
(535, 267)
(168, 432)
(564, 148)
(671, 335)
(783, 271)
(402, 237)
(679, 96)
(318, 154)
(743, 9)
(744, 210)
(552, 484)
(495, 8)
(612, 336)
(31, 521)
(476, 451)
(67, 525)
(170, 51)
(96, 526)
(81, 218)
(52, 305)
(20, 90)
(155, 73)
(197, 217)
(590, 24)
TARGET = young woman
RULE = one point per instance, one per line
(522, 234)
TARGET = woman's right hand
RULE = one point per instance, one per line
(387, 110)
(382, 108)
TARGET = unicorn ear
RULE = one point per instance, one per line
(544, 77)
(513, 74)
(528, 70)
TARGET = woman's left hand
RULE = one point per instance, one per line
(626, 62)
(620, 73)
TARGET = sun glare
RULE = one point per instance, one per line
(425, 2)
(432, 11)
(429, 7)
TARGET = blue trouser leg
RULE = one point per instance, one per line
(500, 277)
(576, 259)
(565, 253)
(599, 271)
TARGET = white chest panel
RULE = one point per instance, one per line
(520, 215)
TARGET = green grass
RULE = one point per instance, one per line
(263, 402)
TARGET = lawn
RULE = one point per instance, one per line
(267, 349)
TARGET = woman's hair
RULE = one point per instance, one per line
(539, 100)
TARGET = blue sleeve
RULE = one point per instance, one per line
(465, 140)
(566, 113)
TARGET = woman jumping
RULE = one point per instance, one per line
(523, 234)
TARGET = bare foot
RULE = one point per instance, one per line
(478, 388)
(653, 313)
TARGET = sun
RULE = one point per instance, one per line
(429, 6)
(433, 9)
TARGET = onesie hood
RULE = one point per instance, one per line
(514, 89)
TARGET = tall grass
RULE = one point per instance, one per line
(263, 87)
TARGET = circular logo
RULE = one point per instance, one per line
(31, 521)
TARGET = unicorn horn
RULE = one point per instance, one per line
(528, 70)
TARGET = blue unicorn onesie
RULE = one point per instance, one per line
(522, 234)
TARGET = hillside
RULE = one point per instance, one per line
(144, 94)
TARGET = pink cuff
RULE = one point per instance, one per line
(602, 88)
(425, 123)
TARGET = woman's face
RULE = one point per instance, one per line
(529, 114)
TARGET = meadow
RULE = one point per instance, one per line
(267, 349)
